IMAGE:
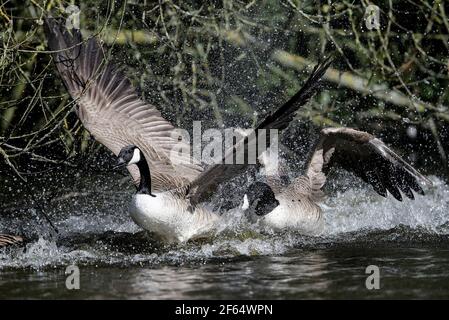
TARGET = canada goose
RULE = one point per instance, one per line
(166, 213)
(170, 197)
(295, 205)
(8, 240)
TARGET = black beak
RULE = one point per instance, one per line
(120, 163)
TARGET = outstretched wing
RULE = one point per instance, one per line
(208, 181)
(368, 158)
(8, 240)
(111, 110)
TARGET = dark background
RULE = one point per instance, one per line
(220, 61)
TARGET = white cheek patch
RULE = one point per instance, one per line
(245, 205)
(136, 157)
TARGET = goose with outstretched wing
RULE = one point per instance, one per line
(295, 205)
(171, 187)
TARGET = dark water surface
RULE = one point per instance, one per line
(408, 241)
(323, 273)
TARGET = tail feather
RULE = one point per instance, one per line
(82, 63)
(281, 118)
(66, 45)
(60, 38)
(78, 61)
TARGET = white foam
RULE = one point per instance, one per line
(362, 208)
(357, 209)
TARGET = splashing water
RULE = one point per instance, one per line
(107, 236)
(358, 209)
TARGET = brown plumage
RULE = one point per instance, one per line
(368, 158)
(110, 109)
(9, 240)
(112, 112)
(355, 151)
(360, 153)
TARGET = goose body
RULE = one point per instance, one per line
(168, 216)
(295, 205)
(290, 210)
(294, 213)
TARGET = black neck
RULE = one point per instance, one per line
(145, 177)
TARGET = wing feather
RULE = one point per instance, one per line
(208, 181)
(368, 158)
(111, 110)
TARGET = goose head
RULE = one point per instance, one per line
(129, 155)
(259, 199)
(133, 155)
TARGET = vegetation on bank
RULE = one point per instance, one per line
(228, 63)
